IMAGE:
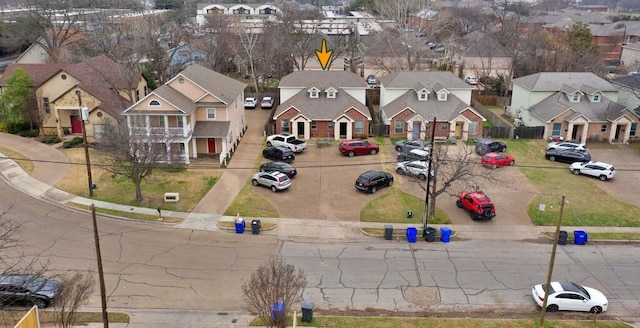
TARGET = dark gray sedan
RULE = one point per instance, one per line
(567, 156)
(407, 145)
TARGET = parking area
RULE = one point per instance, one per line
(626, 161)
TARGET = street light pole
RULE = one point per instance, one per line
(84, 116)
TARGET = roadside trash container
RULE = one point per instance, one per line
(255, 227)
(562, 237)
(429, 234)
(307, 311)
(277, 312)
(388, 232)
(240, 225)
(412, 234)
(445, 234)
(580, 237)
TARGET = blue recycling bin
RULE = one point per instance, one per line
(445, 234)
(412, 234)
(277, 312)
(580, 237)
(240, 226)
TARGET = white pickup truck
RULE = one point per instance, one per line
(286, 140)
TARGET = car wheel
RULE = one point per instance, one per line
(459, 203)
(40, 303)
(487, 213)
(422, 177)
(255, 182)
(351, 153)
(390, 183)
(576, 172)
(596, 309)
(373, 190)
(398, 149)
(552, 158)
(603, 178)
(373, 151)
(274, 189)
(474, 216)
(552, 308)
(512, 163)
(400, 171)
(269, 143)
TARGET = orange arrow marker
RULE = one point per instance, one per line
(324, 54)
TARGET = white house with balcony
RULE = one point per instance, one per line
(207, 11)
(197, 113)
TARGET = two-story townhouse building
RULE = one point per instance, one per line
(323, 104)
(572, 105)
(205, 11)
(410, 100)
(199, 112)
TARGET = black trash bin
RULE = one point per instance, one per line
(429, 234)
(562, 237)
(388, 232)
(255, 226)
(307, 311)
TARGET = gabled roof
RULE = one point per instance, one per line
(553, 81)
(322, 80)
(218, 85)
(429, 80)
(442, 110)
(557, 104)
(482, 45)
(630, 81)
(322, 108)
(40, 73)
(177, 99)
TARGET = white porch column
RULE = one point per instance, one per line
(195, 148)
(307, 130)
(165, 118)
(627, 133)
(612, 132)
(452, 129)
(186, 152)
(569, 132)
(585, 130)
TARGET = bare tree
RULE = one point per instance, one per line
(135, 157)
(274, 283)
(247, 37)
(301, 34)
(76, 290)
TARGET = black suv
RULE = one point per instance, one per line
(370, 181)
(279, 154)
(484, 146)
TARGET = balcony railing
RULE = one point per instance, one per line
(161, 131)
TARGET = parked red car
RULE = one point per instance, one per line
(358, 147)
(494, 160)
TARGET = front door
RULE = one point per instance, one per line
(574, 133)
(211, 145)
(343, 130)
(459, 130)
(415, 133)
(76, 124)
(300, 130)
(617, 132)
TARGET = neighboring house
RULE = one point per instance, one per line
(37, 54)
(323, 104)
(198, 112)
(572, 105)
(631, 57)
(410, 100)
(103, 87)
(205, 11)
(484, 56)
(629, 91)
(184, 56)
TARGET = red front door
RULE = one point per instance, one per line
(76, 124)
(211, 145)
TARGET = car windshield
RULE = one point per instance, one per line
(35, 284)
(579, 289)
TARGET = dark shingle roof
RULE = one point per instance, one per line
(219, 85)
(211, 129)
(558, 103)
(631, 81)
(411, 80)
(322, 108)
(322, 80)
(443, 110)
(553, 81)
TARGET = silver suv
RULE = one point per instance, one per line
(275, 180)
(28, 289)
(415, 168)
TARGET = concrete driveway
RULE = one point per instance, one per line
(626, 161)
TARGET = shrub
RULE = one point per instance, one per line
(67, 144)
(29, 133)
(51, 140)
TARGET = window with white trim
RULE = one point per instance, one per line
(596, 98)
(331, 126)
(181, 148)
(603, 128)
(285, 125)
(634, 128)
(331, 94)
(313, 94)
(359, 126)
(422, 96)
(314, 126)
(398, 126)
(576, 98)
(555, 131)
(473, 127)
(46, 106)
(211, 113)
(442, 96)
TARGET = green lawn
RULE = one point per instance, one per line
(587, 204)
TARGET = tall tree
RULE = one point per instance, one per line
(245, 48)
(16, 98)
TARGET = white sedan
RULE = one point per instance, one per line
(569, 296)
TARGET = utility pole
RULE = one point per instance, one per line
(103, 292)
(426, 197)
(553, 258)
(84, 116)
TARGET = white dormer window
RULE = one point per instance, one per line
(314, 93)
(575, 98)
(331, 94)
(596, 98)
(442, 96)
(422, 96)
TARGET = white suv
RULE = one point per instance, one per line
(602, 171)
(415, 168)
(275, 180)
(250, 102)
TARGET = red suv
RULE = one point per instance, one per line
(477, 203)
(358, 147)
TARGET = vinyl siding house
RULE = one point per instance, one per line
(323, 104)
(578, 106)
(197, 113)
(484, 56)
(410, 100)
(103, 87)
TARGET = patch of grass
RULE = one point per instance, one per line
(21, 160)
(388, 322)
(393, 206)
(251, 204)
(13, 316)
(231, 225)
(192, 185)
(587, 204)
